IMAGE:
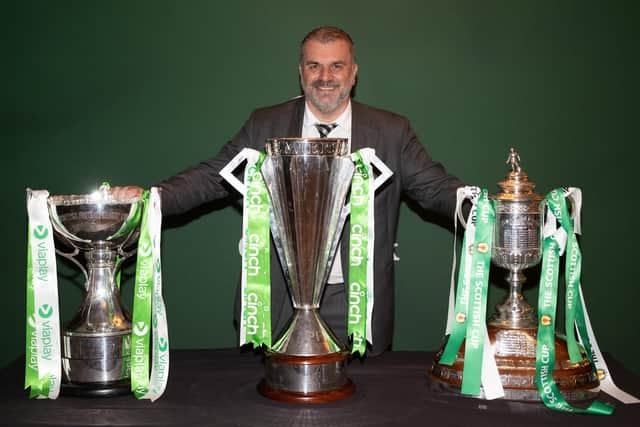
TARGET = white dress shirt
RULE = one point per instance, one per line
(343, 130)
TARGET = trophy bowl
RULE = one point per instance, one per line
(96, 342)
(307, 181)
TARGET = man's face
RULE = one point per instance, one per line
(327, 74)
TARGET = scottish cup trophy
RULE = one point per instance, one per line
(513, 329)
(307, 181)
(96, 342)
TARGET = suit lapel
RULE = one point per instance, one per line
(295, 126)
(362, 132)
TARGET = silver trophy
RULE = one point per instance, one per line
(513, 329)
(96, 342)
(307, 181)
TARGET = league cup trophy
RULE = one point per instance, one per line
(513, 329)
(96, 342)
(307, 181)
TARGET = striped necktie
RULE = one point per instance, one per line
(324, 129)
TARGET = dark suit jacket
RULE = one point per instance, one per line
(416, 176)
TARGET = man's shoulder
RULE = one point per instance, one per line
(287, 107)
(375, 113)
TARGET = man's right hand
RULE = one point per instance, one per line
(126, 192)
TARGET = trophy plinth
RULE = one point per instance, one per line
(513, 329)
(307, 180)
(96, 342)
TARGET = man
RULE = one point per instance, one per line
(328, 73)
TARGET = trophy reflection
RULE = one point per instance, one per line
(513, 329)
(96, 342)
(307, 181)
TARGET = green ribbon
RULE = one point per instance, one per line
(359, 254)
(256, 294)
(142, 309)
(459, 328)
(558, 206)
(42, 344)
(547, 301)
(477, 310)
(38, 386)
(471, 298)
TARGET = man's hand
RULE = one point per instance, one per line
(126, 192)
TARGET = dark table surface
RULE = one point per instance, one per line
(218, 388)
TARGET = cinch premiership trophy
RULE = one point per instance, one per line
(96, 344)
(298, 191)
(512, 331)
(308, 182)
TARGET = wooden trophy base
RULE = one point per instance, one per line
(516, 359)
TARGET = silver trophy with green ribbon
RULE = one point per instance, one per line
(504, 357)
(96, 343)
(298, 191)
(308, 181)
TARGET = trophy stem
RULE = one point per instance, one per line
(515, 311)
(96, 341)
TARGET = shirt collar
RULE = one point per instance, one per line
(343, 120)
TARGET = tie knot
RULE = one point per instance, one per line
(324, 129)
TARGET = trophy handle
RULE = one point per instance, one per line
(71, 257)
(226, 172)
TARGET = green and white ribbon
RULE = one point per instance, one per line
(467, 316)
(577, 318)
(43, 359)
(255, 285)
(149, 313)
(361, 242)
(554, 244)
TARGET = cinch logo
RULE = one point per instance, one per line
(145, 249)
(162, 344)
(140, 329)
(483, 248)
(545, 320)
(461, 317)
(40, 232)
(45, 311)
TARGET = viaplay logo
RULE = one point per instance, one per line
(162, 344)
(45, 311)
(145, 249)
(32, 320)
(140, 329)
(40, 232)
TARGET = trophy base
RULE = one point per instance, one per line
(114, 388)
(306, 379)
(514, 351)
(96, 361)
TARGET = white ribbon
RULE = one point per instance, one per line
(490, 376)
(160, 330)
(606, 379)
(45, 287)
(251, 157)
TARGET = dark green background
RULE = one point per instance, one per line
(132, 92)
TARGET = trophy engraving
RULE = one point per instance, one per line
(96, 342)
(513, 328)
(307, 181)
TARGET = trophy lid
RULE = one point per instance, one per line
(516, 186)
